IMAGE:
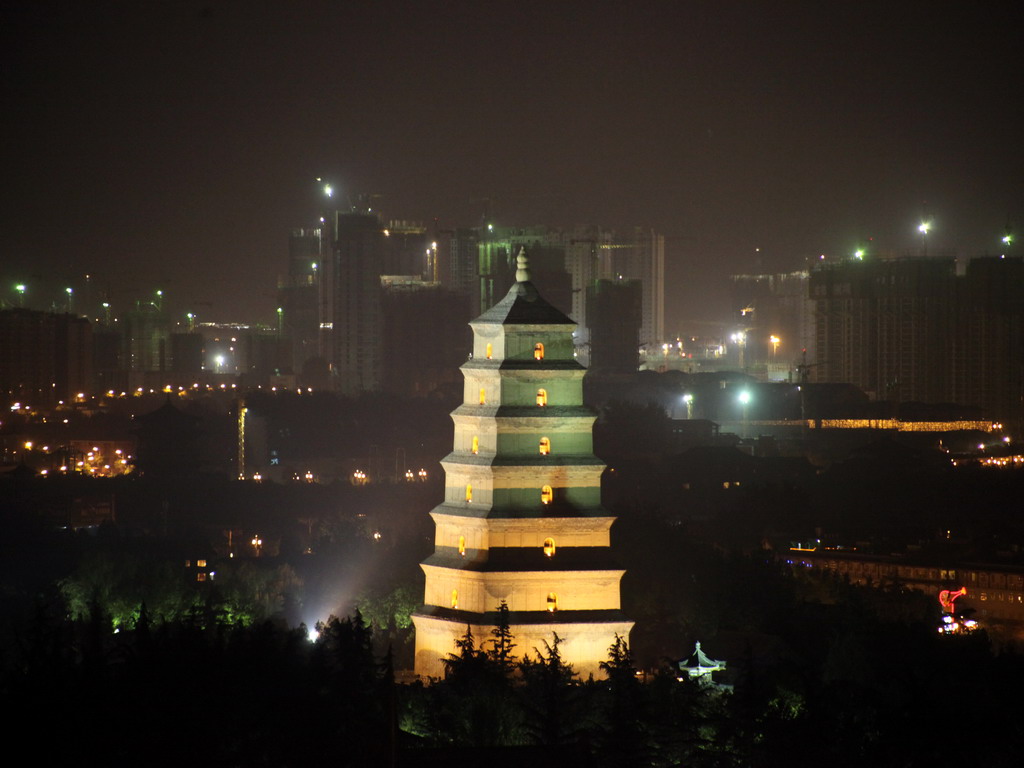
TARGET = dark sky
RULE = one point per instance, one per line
(174, 144)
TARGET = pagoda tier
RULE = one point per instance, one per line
(521, 521)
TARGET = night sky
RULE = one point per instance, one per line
(174, 144)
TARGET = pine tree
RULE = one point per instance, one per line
(502, 645)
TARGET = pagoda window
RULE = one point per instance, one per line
(483, 396)
(549, 547)
(469, 492)
(455, 598)
(538, 351)
(542, 397)
(545, 446)
(552, 602)
(490, 351)
(546, 494)
(462, 545)
(476, 444)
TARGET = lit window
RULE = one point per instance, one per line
(538, 351)
(483, 396)
(546, 494)
(200, 577)
(462, 545)
(476, 444)
(545, 446)
(469, 493)
(490, 351)
(188, 563)
(200, 563)
(542, 396)
(455, 598)
(549, 547)
(552, 602)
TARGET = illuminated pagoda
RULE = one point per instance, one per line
(521, 521)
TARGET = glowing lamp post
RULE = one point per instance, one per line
(20, 290)
(70, 292)
(688, 399)
(923, 228)
(740, 339)
(775, 341)
(744, 399)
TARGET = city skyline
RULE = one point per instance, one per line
(176, 149)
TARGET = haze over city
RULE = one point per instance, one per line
(562, 384)
(174, 146)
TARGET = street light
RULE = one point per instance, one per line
(70, 293)
(775, 341)
(20, 288)
(688, 399)
(923, 228)
(740, 339)
(744, 398)
(859, 254)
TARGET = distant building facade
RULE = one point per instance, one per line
(44, 356)
(903, 329)
(299, 296)
(615, 309)
(359, 250)
(424, 336)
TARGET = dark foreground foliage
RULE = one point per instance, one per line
(862, 691)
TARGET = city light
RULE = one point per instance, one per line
(923, 227)
(744, 397)
(859, 254)
(328, 190)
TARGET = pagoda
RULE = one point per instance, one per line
(521, 521)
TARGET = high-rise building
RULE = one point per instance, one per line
(357, 328)
(885, 326)
(615, 309)
(643, 259)
(568, 261)
(521, 523)
(775, 306)
(147, 331)
(44, 357)
(424, 335)
(913, 329)
(299, 295)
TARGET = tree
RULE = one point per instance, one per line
(553, 701)
(623, 740)
(502, 645)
